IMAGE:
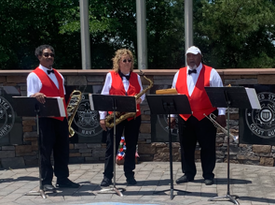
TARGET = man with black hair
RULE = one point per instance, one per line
(45, 81)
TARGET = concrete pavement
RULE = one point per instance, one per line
(255, 185)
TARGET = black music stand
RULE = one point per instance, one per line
(169, 104)
(30, 107)
(115, 103)
(232, 97)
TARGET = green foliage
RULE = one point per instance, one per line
(230, 33)
(165, 27)
(237, 33)
(27, 24)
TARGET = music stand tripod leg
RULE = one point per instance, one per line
(114, 188)
(171, 165)
(171, 162)
(227, 196)
(40, 192)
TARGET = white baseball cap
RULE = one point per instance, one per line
(194, 50)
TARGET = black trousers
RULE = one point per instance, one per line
(131, 132)
(54, 138)
(203, 132)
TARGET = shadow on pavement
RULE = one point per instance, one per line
(19, 179)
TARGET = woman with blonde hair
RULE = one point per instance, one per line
(122, 81)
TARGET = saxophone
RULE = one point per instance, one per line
(109, 120)
(73, 103)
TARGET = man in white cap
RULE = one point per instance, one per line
(194, 128)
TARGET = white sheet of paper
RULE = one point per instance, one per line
(253, 98)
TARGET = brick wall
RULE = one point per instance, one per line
(26, 154)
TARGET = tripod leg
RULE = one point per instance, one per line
(114, 159)
(232, 199)
(118, 192)
(40, 191)
(171, 165)
(114, 165)
(228, 196)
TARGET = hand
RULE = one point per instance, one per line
(138, 101)
(221, 120)
(40, 97)
(172, 122)
(103, 125)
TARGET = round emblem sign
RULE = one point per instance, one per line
(163, 121)
(87, 120)
(262, 122)
(6, 117)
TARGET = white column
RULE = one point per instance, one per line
(85, 34)
(188, 23)
(141, 34)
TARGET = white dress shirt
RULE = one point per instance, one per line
(107, 86)
(215, 81)
(34, 84)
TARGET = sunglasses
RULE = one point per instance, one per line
(129, 61)
(48, 54)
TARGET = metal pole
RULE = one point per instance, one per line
(141, 34)
(188, 23)
(85, 34)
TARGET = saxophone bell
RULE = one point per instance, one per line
(212, 118)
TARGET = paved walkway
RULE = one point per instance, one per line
(255, 185)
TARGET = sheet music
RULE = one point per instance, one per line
(53, 107)
(254, 101)
(61, 107)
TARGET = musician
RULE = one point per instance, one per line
(45, 81)
(194, 128)
(122, 81)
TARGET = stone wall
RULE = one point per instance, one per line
(25, 154)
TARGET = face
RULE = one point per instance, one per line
(125, 64)
(47, 58)
(193, 61)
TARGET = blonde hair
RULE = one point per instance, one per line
(118, 54)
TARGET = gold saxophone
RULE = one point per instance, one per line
(73, 103)
(109, 120)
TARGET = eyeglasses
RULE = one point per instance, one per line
(129, 61)
(48, 54)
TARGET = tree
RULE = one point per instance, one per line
(230, 33)
(236, 34)
(29, 23)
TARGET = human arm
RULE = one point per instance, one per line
(173, 116)
(105, 91)
(216, 81)
(34, 86)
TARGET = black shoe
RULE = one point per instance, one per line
(67, 184)
(131, 181)
(106, 182)
(184, 179)
(48, 187)
(209, 181)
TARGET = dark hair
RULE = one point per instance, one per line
(39, 50)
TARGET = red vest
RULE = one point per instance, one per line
(50, 89)
(117, 87)
(199, 101)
